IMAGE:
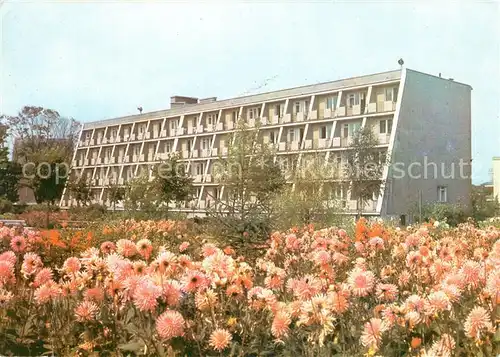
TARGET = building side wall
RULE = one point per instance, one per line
(434, 126)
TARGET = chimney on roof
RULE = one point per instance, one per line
(179, 101)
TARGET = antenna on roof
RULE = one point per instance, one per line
(401, 62)
(139, 109)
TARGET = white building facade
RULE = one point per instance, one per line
(416, 117)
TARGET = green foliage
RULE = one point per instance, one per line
(365, 165)
(80, 190)
(171, 182)
(141, 195)
(43, 141)
(453, 214)
(252, 181)
(484, 206)
(10, 172)
(116, 193)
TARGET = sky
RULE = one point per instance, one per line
(98, 60)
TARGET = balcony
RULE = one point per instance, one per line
(282, 146)
(356, 110)
(209, 128)
(208, 178)
(372, 107)
(201, 204)
(140, 136)
(308, 145)
(322, 143)
(215, 152)
(287, 118)
(148, 135)
(185, 154)
(263, 121)
(275, 120)
(132, 137)
(328, 113)
(389, 106)
(336, 142)
(384, 139)
(179, 131)
(205, 153)
(120, 181)
(340, 112)
(155, 134)
(251, 123)
(197, 178)
(230, 125)
(301, 116)
(163, 133)
(220, 126)
(293, 146)
(199, 129)
(195, 153)
(346, 141)
(104, 140)
(313, 115)
(224, 151)
(190, 130)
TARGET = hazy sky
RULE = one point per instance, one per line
(99, 60)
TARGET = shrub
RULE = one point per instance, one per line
(5, 206)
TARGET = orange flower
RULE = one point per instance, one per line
(415, 342)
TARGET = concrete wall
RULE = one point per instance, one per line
(496, 177)
(434, 126)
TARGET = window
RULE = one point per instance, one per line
(279, 110)
(234, 117)
(173, 124)
(322, 132)
(442, 194)
(385, 126)
(190, 144)
(88, 134)
(351, 100)
(168, 147)
(296, 107)
(113, 133)
(200, 169)
(253, 113)
(349, 129)
(205, 143)
(301, 134)
(136, 150)
(291, 135)
(211, 119)
(272, 138)
(331, 103)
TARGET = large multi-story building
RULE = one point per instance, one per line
(423, 123)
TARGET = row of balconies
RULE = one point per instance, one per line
(309, 144)
(274, 120)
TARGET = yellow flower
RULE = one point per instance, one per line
(231, 321)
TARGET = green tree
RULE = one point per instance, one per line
(484, 205)
(116, 193)
(171, 182)
(308, 200)
(80, 190)
(10, 172)
(43, 144)
(251, 181)
(141, 195)
(365, 164)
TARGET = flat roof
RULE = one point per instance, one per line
(252, 99)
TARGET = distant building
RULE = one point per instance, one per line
(496, 177)
(423, 123)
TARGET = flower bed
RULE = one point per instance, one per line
(146, 288)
